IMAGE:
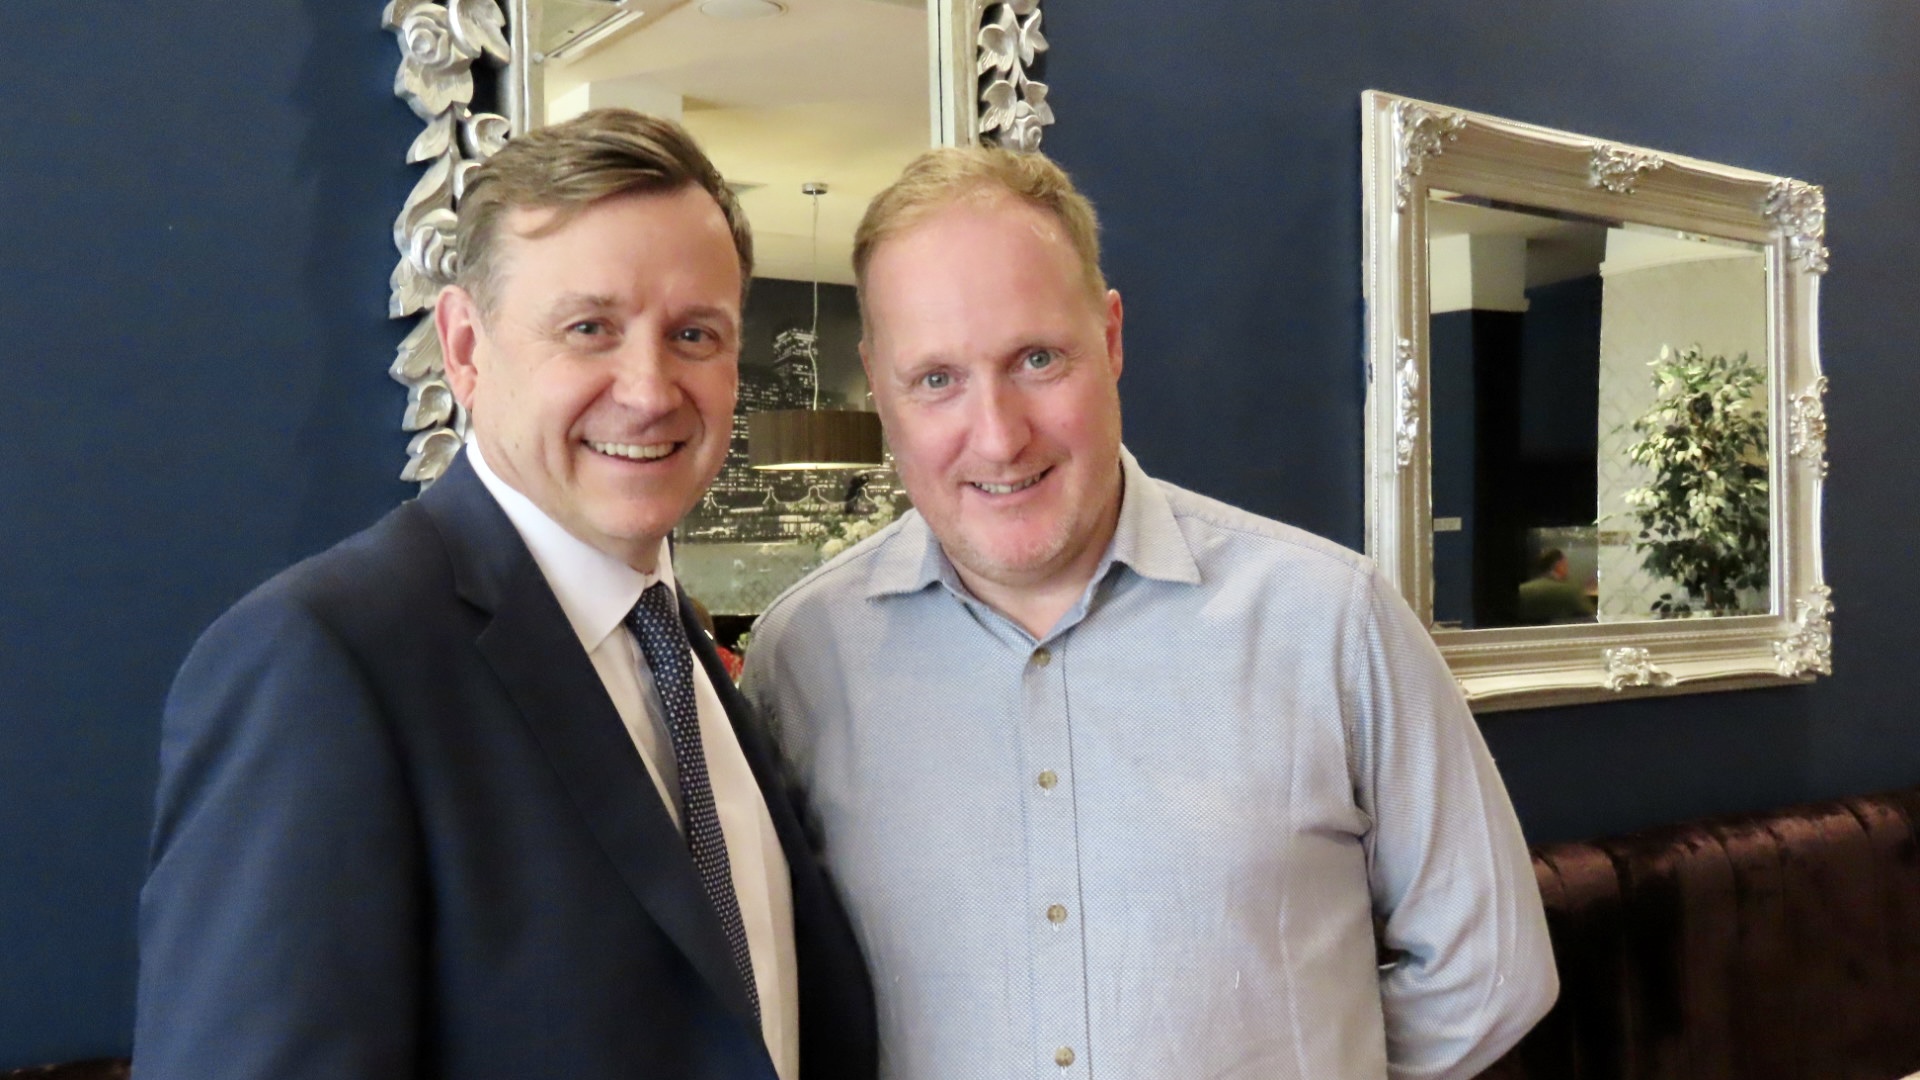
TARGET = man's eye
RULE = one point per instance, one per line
(587, 328)
(699, 340)
(1039, 359)
(936, 380)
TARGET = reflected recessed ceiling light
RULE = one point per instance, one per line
(741, 9)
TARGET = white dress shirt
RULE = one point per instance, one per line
(596, 591)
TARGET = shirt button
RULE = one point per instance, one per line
(1056, 914)
(1063, 1057)
(1048, 779)
(1041, 658)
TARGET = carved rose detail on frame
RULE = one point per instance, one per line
(439, 44)
(1810, 647)
(1807, 426)
(1019, 120)
(427, 35)
(1633, 666)
(1619, 170)
(1799, 210)
(1014, 107)
(431, 248)
(1424, 133)
(1406, 429)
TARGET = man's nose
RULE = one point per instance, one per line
(1000, 430)
(645, 377)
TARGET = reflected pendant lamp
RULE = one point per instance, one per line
(814, 438)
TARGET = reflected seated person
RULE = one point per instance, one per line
(1548, 597)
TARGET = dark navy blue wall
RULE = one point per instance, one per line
(194, 206)
(1560, 378)
(1221, 141)
(194, 202)
(1453, 424)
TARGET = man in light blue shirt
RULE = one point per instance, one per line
(1119, 781)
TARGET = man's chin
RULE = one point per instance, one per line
(633, 539)
(1010, 563)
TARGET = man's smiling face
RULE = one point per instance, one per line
(996, 373)
(602, 385)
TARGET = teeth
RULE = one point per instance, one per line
(633, 451)
(1008, 489)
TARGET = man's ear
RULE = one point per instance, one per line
(457, 318)
(1115, 316)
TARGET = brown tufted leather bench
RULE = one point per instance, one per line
(1780, 946)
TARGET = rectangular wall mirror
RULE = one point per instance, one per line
(809, 108)
(1595, 437)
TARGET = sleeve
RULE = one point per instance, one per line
(281, 920)
(1453, 887)
(756, 680)
(771, 689)
(767, 682)
(760, 686)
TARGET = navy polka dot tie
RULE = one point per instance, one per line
(656, 623)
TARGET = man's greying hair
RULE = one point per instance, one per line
(950, 174)
(569, 167)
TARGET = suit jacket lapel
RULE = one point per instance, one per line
(533, 650)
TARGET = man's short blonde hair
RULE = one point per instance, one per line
(569, 167)
(950, 174)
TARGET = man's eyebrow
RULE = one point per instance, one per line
(911, 370)
(569, 303)
(731, 316)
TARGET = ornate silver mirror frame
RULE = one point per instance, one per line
(1412, 148)
(983, 51)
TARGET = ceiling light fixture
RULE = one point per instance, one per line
(813, 438)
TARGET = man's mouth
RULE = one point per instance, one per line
(634, 451)
(1010, 488)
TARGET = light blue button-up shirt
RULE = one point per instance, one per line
(1154, 844)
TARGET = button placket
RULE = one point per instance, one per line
(1057, 947)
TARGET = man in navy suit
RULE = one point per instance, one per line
(470, 795)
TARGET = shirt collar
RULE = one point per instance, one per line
(595, 590)
(1147, 539)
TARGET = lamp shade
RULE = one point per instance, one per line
(813, 439)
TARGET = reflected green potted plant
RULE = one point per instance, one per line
(1703, 514)
(850, 529)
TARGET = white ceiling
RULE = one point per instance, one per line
(831, 90)
(1556, 247)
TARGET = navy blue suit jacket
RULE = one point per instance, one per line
(402, 832)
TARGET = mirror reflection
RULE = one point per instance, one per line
(809, 108)
(1599, 419)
